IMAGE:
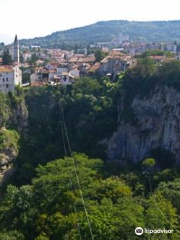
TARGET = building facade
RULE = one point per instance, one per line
(10, 76)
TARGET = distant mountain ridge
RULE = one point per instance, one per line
(152, 31)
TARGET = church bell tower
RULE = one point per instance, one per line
(16, 50)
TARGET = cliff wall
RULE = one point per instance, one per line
(157, 125)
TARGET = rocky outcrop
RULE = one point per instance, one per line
(8, 152)
(15, 115)
(20, 117)
(158, 125)
(6, 165)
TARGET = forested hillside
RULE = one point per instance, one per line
(63, 185)
(156, 31)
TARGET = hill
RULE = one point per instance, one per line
(155, 31)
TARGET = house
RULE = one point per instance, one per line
(52, 65)
(74, 73)
(114, 64)
(94, 69)
(79, 61)
(34, 79)
(62, 68)
(65, 80)
(26, 55)
(10, 76)
(157, 59)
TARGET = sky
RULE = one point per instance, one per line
(33, 18)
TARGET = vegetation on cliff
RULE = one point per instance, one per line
(44, 201)
(8, 140)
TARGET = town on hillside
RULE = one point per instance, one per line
(38, 66)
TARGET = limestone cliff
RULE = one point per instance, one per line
(14, 115)
(158, 125)
(8, 152)
(20, 117)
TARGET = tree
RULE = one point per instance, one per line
(99, 55)
(112, 188)
(171, 191)
(33, 59)
(7, 58)
(160, 214)
(115, 221)
(149, 163)
(14, 235)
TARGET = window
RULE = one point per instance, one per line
(6, 79)
(3, 79)
(6, 85)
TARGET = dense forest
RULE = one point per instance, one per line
(63, 186)
(106, 31)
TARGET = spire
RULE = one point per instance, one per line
(16, 39)
(16, 49)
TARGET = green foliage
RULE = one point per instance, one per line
(46, 204)
(160, 214)
(112, 187)
(4, 110)
(42, 237)
(88, 104)
(157, 53)
(137, 82)
(116, 221)
(87, 86)
(169, 74)
(141, 80)
(33, 60)
(6, 58)
(9, 140)
(149, 162)
(25, 78)
(13, 235)
(171, 191)
(45, 210)
(99, 55)
(105, 31)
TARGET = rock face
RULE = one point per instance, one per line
(6, 164)
(9, 139)
(158, 125)
(20, 117)
(8, 152)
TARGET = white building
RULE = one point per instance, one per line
(10, 76)
(65, 80)
(74, 73)
(62, 69)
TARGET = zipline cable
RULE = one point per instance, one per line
(76, 173)
(71, 183)
(160, 211)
